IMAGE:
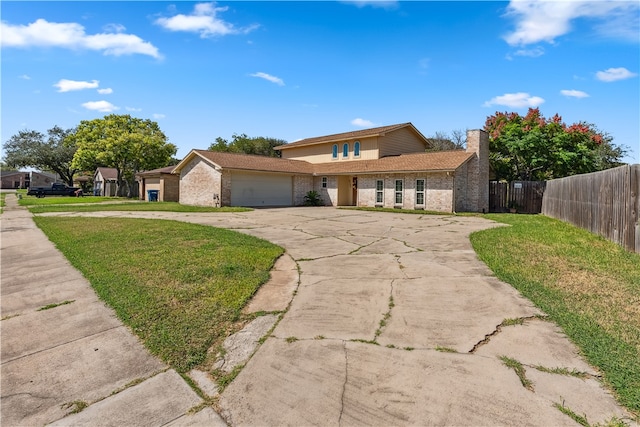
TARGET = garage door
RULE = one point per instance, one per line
(256, 189)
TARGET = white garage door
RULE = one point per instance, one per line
(256, 189)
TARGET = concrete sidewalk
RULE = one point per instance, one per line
(75, 354)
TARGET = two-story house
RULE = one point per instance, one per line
(384, 166)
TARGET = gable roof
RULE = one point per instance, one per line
(364, 133)
(247, 162)
(414, 162)
(108, 173)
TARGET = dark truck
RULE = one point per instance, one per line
(55, 190)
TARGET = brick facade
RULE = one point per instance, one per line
(478, 174)
(200, 185)
(302, 184)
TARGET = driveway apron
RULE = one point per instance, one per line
(396, 322)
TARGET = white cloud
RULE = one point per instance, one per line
(385, 4)
(424, 63)
(531, 53)
(515, 100)
(574, 93)
(363, 123)
(102, 106)
(105, 91)
(132, 109)
(158, 116)
(203, 20)
(613, 74)
(114, 28)
(538, 20)
(269, 77)
(65, 85)
(42, 33)
(24, 77)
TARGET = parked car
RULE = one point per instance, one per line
(55, 190)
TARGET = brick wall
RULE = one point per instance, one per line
(302, 184)
(330, 194)
(478, 171)
(438, 191)
(199, 182)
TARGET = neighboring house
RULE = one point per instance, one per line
(105, 182)
(384, 167)
(161, 180)
(21, 179)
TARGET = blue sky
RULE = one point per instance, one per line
(292, 70)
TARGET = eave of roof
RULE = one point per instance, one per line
(364, 133)
(159, 171)
(441, 161)
(247, 162)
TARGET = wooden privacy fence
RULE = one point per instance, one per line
(605, 203)
(524, 196)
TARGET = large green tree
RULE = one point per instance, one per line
(534, 148)
(52, 152)
(126, 143)
(248, 145)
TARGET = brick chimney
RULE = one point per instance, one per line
(478, 142)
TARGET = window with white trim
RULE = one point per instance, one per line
(379, 192)
(398, 192)
(356, 149)
(324, 182)
(419, 192)
(345, 150)
(334, 151)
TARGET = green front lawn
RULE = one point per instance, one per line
(65, 200)
(589, 286)
(179, 286)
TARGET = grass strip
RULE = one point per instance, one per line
(50, 306)
(519, 370)
(589, 286)
(132, 207)
(65, 200)
(582, 420)
(179, 286)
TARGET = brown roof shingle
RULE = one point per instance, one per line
(345, 135)
(108, 173)
(255, 163)
(167, 169)
(415, 162)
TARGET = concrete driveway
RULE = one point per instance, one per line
(396, 322)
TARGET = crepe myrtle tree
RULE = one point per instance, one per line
(52, 152)
(126, 143)
(534, 148)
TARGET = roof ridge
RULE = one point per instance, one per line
(345, 135)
